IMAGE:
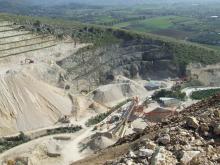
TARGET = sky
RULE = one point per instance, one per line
(96, 2)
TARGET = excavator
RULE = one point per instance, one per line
(27, 61)
(134, 107)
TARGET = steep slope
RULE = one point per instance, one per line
(29, 76)
(191, 137)
(27, 103)
(135, 58)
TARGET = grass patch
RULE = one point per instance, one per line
(204, 94)
(154, 24)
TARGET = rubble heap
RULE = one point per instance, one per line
(191, 137)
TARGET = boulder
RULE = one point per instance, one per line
(217, 129)
(164, 139)
(188, 156)
(163, 157)
(129, 162)
(204, 127)
(151, 145)
(145, 152)
(131, 154)
(192, 122)
(217, 113)
(53, 149)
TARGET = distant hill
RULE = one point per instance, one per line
(88, 2)
(111, 2)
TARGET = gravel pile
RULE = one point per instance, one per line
(191, 137)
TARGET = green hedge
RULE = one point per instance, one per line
(62, 130)
(97, 119)
(169, 93)
(10, 142)
(199, 95)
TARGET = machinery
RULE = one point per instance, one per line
(27, 61)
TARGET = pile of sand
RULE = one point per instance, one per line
(97, 142)
(27, 103)
(47, 72)
(112, 94)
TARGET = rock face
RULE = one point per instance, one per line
(192, 122)
(145, 152)
(188, 156)
(26, 105)
(146, 59)
(163, 157)
(191, 137)
(207, 75)
(217, 129)
(164, 139)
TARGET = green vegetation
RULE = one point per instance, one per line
(181, 20)
(58, 27)
(100, 117)
(97, 119)
(182, 52)
(7, 143)
(10, 142)
(203, 94)
(62, 130)
(154, 24)
(169, 93)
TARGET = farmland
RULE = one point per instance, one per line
(184, 21)
(156, 24)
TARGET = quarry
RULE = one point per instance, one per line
(60, 105)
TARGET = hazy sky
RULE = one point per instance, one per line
(100, 2)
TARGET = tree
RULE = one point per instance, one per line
(37, 23)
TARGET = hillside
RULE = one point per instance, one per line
(135, 54)
(19, 92)
(186, 20)
(191, 137)
(27, 62)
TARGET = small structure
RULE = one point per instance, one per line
(114, 119)
(169, 102)
(158, 114)
(27, 61)
(63, 138)
(53, 149)
(152, 85)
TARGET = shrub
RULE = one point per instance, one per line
(60, 130)
(23, 137)
(97, 119)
